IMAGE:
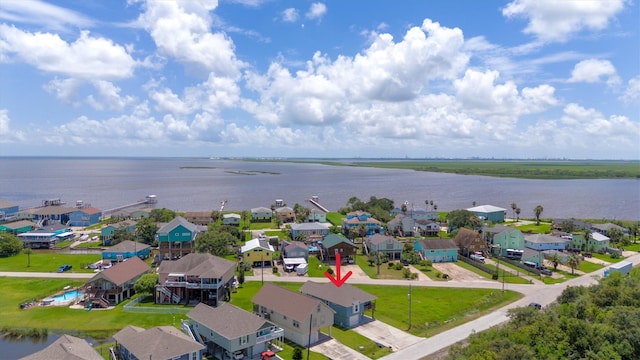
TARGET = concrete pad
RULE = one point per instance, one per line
(386, 335)
(336, 351)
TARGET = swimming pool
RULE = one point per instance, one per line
(313, 248)
(64, 299)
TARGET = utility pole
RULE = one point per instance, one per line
(262, 261)
(309, 339)
(409, 297)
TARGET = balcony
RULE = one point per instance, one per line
(274, 334)
(189, 285)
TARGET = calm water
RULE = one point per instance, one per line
(111, 182)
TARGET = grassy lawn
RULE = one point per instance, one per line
(548, 280)
(633, 247)
(359, 343)
(587, 267)
(543, 228)
(89, 244)
(63, 244)
(507, 276)
(606, 257)
(316, 267)
(431, 272)
(386, 272)
(335, 218)
(263, 225)
(47, 261)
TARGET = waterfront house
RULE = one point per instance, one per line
(50, 215)
(285, 214)
(295, 249)
(301, 316)
(312, 232)
(85, 216)
(17, 227)
(356, 219)
(194, 278)
(135, 214)
(66, 347)
(261, 214)
(198, 217)
(160, 342)
(227, 329)
(489, 213)
(543, 242)
(257, 252)
(231, 219)
(437, 250)
(428, 227)
(316, 215)
(115, 284)
(125, 250)
(532, 256)
(469, 242)
(384, 244)
(502, 238)
(401, 225)
(8, 210)
(574, 224)
(347, 301)
(335, 243)
(106, 233)
(176, 238)
(45, 237)
(416, 214)
(605, 228)
(597, 242)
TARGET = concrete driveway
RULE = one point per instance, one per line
(336, 351)
(386, 335)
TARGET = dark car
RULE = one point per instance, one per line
(535, 305)
(64, 268)
(546, 271)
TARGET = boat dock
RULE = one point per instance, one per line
(314, 202)
(149, 200)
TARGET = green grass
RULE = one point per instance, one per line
(607, 257)
(89, 245)
(335, 218)
(588, 267)
(507, 276)
(316, 267)
(263, 225)
(548, 280)
(63, 244)
(632, 247)
(372, 271)
(431, 272)
(359, 343)
(48, 261)
(543, 228)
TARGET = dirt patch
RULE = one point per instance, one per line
(457, 273)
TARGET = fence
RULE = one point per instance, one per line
(478, 265)
(132, 308)
(527, 269)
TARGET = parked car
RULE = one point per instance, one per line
(546, 271)
(64, 268)
(535, 305)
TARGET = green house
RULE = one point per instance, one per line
(17, 227)
(502, 238)
(176, 238)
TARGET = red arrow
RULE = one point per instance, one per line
(337, 281)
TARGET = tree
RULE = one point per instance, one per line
(10, 245)
(28, 251)
(538, 210)
(567, 226)
(555, 260)
(514, 206)
(573, 261)
(215, 215)
(426, 205)
(517, 214)
(435, 207)
(462, 218)
(473, 203)
(297, 354)
(614, 234)
(146, 230)
(120, 235)
(162, 215)
(403, 208)
(215, 242)
(146, 284)
(241, 274)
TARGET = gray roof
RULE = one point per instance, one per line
(178, 220)
(608, 226)
(498, 229)
(66, 347)
(345, 295)
(308, 226)
(437, 244)
(260, 209)
(127, 246)
(122, 272)
(378, 239)
(161, 342)
(286, 302)
(203, 265)
(486, 209)
(18, 224)
(227, 320)
(4, 204)
(293, 245)
(544, 239)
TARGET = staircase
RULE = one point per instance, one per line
(174, 298)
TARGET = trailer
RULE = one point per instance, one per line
(302, 269)
(624, 267)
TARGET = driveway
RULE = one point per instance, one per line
(336, 351)
(386, 335)
(457, 273)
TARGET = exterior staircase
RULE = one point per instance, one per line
(174, 298)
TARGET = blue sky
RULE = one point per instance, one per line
(454, 79)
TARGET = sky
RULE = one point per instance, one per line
(267, 78)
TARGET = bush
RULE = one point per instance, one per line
(414, 276)
(390, 264)
(275, 269)
(398, 266)
(615, 255)
(426, 262)
(330, 271)
(10, 245)
(494, 276)
(406, 273)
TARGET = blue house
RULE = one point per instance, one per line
(176, 238)
(295, 249)
(161, 342)
(543, 242)
(489, 213)
(261, 214)
(312, 231)
(316, 215)
(85, 217)
(437, 250)
(7, 210)
(107, 232)
(356, 219)
(125, 250)
(348, 302)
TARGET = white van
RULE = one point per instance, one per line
(302, 269)
(477, 257)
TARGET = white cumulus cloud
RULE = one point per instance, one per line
(632, 92)
(594, 70)
(290, 15)
(316, 11)
(553, 20)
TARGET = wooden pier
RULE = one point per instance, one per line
(314, 201)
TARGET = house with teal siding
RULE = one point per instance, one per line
(348, 302)
(437, 250)
(126, 249)
(85, 217)
(356, 219)
(17, 227)
(501, 238)
(597, 242)
(8, 210)
(316, 215)
(176, 238)
(533, 256)
(489, 213)
(107, 232)
(543, 242)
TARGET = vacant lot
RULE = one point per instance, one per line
(457, 273)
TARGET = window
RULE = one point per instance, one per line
(194, 356)
(296, 324)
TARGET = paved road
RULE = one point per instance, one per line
(64, 275)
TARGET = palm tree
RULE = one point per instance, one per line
(573, 261)
(517, 214)
(514, 206)
(435, 207)
(28, 251)
(614, 234)
(404, 207)
(555, 260)
(538, 210)
(426, 205)
(431, 203)
(473, 203)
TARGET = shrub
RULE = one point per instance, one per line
(406, 273)
(398, 266)
(275, 269)
(330, 271)
(426, 262)
(414, 276)
(390, 264)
